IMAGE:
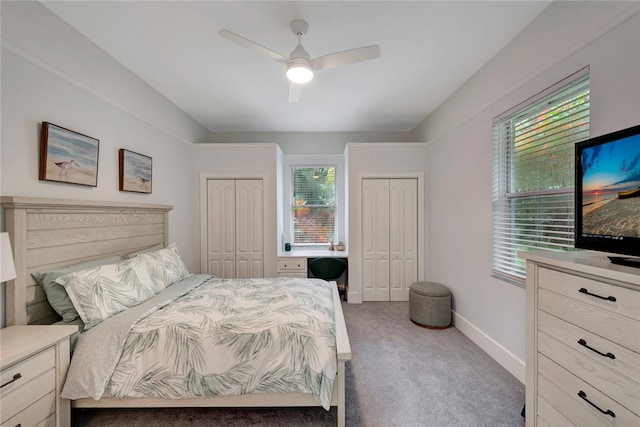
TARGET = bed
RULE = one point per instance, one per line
(52, 233)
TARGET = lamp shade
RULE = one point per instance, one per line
(7, 268)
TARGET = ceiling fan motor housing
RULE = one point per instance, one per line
(299, 27)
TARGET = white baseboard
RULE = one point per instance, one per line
(500, 354)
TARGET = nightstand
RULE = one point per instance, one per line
(33, 365)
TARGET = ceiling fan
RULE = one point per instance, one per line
(300, 66)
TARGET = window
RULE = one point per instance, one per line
(533, 174)
(313, 204)
(313, 200)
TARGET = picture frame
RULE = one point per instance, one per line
(135, 172)
(67, 156)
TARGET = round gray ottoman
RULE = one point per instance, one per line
(430, 305)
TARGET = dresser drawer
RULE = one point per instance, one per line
(40, 413)
(615, 327)
(561, 389)
(624, 361)
(615, 385)
(549, 416)
(627, 301)
(293, 264)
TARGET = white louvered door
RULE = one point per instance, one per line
(221, 227)
(389, 238)
(235, 231)
(403, 237)
(375, 239)
(249, 228)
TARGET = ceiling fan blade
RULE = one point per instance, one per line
(295, 92)
(345, 57)
(250, 44)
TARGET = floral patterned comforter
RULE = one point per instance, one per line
(208, 337)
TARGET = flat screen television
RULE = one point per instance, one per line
(607, 194)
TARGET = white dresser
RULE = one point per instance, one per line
(33, 366)
(583, 341)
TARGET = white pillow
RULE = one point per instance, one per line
(165, 265)
(101, 292)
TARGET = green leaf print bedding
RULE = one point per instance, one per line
(205, 336)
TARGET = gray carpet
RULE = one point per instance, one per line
(400, 375)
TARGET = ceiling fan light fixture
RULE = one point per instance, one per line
(299, 72)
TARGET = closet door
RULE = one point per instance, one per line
(403, 237)
(221, 229)
(249, 228)
(375, 239)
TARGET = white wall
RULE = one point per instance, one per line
(379, 160)
(230, 161)
(51, 73)
(311, 142)
(566, 37)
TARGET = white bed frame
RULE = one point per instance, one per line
(54, 233)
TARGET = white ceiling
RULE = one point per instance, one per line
(428, 50)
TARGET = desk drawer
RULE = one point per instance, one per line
(627, 302)
(293, 264)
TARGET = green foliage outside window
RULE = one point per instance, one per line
(313, 204)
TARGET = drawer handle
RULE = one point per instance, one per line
(583, 396)
(583, 343)
(584, 291)
(15, 378)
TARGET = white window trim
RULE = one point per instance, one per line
(498, 191)
(311, 160)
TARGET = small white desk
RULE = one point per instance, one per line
(312, 253)
(295, 264)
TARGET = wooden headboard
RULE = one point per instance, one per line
(54, 233)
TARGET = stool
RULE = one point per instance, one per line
(430, 305)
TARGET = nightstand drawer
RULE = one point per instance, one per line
(41, 413)
(26, 370)
(20, 398)
(293, 264)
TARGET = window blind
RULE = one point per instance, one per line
(313, 204)
(533, 174)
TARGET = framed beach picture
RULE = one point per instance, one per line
(68, 156)
(135, 172)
